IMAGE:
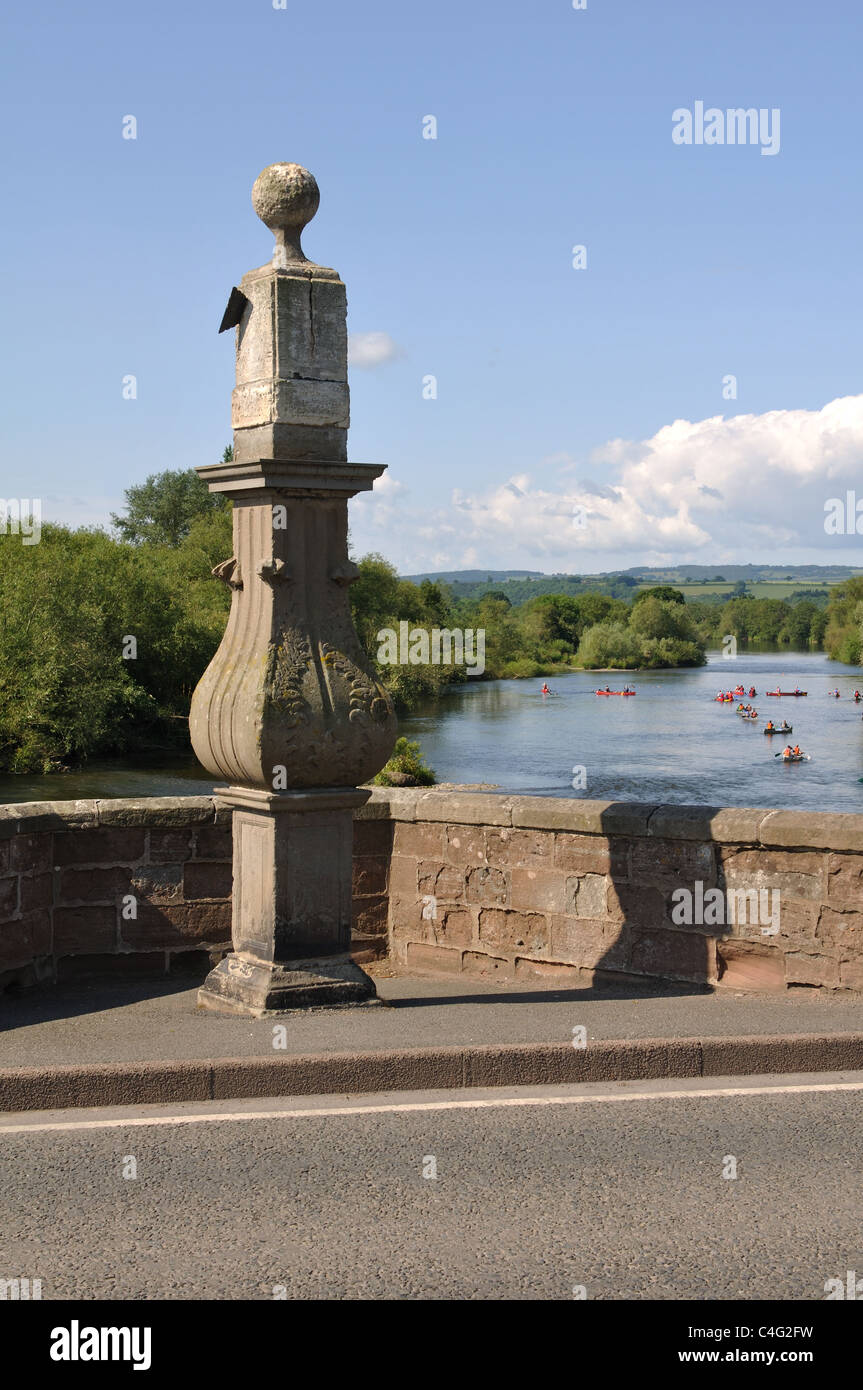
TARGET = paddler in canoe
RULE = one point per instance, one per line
(545, 690)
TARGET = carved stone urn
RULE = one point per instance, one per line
(289, 711)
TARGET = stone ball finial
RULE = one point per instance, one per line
(286, 197)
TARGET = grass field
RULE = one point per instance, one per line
(760, 588)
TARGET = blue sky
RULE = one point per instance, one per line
(552, 443)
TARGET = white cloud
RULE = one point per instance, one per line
(752, 487)
(366, 350)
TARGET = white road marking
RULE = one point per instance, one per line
(400, 1107)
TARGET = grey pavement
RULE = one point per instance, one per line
(102, 1023)
(625, 1197)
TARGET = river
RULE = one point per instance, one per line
(671, 743)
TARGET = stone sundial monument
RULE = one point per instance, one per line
(288, 711)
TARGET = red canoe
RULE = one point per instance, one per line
(786, 692)
(615, 692)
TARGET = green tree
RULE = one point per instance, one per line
(161, 510)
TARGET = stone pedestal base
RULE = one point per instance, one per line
(291, 926)
(242, 985)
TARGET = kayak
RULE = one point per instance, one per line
(789, 730)
(615, 692)
(786, 692)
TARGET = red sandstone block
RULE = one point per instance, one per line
(438, 958)
(31, 853)
(743, 965)
(22, 940)
(641, 907)
(539, 890)
(370, 916)
(95, 885)
(851, 975)
(674, 955)
(813, 970)
(419, 839)
(454, 927)
(8, 898)
(520, 849)
(171, 846)
(443, 881)
(208, 879)
(466, 844)
(488, 885)
(169, 925)
(36, 893)
(411, 918)
(213, 842)
(590, 944)
(591, 854)
(571, 975)
(507, 930)
(672, 863)
(369, 874)
(100, 846)
(403, 876)
(84, 929)
(372, 837)
(477, 963)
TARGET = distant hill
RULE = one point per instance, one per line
(707, 583)
(473, 576)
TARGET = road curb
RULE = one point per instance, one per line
(423, 1068)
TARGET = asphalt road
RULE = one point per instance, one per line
(538, 1191)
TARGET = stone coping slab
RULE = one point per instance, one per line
(839, 831)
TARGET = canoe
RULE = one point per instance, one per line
(615, 692)
(786, 692)
(789, 730)
(795, 758)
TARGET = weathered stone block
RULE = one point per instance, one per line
(520, 849)
(98, 846)
(539, 890)
(369, 874)
(21, 941)
(84, 930)
(674, 955)
(796, 875)
(404, 876)
(31, 854)
(438, 958)
(487, 885)
(419, 839)
(587, 895)
(589, 944)
(746, 966)
(95, 885)
(813, 830)
(369, 917)
(592, 854)
(443, 881)
(208, 879)
(163, 925)
(453, 927)
(672, 864)
(507, 930)
(642, 907)
(815, 970)
(36, 893)
(478, 963)
(466, 844)
(8, 898)
(175, 846)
